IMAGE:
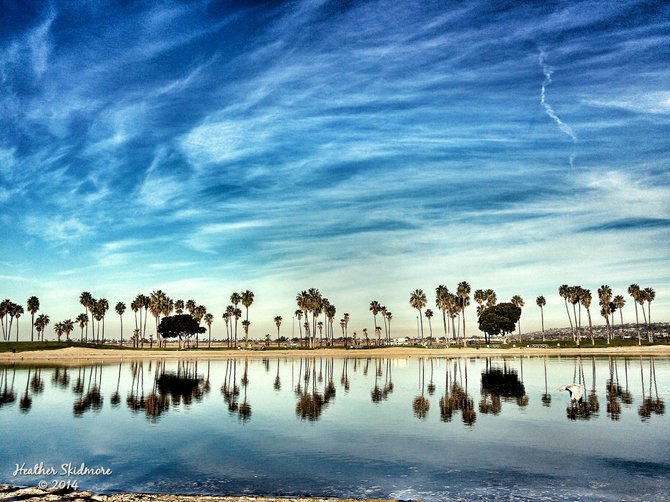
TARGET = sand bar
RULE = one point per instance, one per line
(81, 355)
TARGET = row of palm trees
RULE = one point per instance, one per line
(312, 302)
(609, 303)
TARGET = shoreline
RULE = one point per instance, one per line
(8, 492)
(80, 354)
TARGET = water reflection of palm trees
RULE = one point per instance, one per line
(588, 408)
(456, 397)
(92, 399)
(229, 389)
(311, 402)
(546, 397)
(420, 404)
(7, 395)
(652, 403)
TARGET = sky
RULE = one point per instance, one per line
(364, 148)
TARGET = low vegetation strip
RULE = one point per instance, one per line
(36, 494)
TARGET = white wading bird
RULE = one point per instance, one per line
(576, 392)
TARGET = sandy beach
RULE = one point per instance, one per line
(75, 355)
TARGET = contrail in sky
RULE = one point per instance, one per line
(547, 107)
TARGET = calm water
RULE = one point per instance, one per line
(432, 428)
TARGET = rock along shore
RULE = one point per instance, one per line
(36, 494)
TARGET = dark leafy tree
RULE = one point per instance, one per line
(499, 319)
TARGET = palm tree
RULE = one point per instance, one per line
(302, 300)
(429, 315)
(346, 327)
(33, 307)
(331, 310)
(82, 320)
(5, 307)
(389, 316)
(375, 307)
(298, 315)
(226, 318)
(650, 296)
(278, 320)
(463, 292)
(605, 295)
(564, 292)
(67, 326)
(541, 302)
(634, 292)
(316, 303)
(517, 301)
(120, 309)
(199, 314)
(237, 313)
(235, 298)
(58, 329)
(586, 299)
(103, 305)
(41, 323)
(619, 301)
(417, 300)
(86, 300)
(247, 298)
(179, 306)
(209, 319)
(156, 301)
(18, 312)
(574, 296)
(245, 326)
(441, 302)
(190, 306)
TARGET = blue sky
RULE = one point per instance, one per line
(363, 148)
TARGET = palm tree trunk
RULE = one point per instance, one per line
(542, 317)
(464, 341)
(651, 334)
(572, 329)
(637, 324)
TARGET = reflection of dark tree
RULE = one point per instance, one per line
(650, 405)
(501, 385)
(344, 379)
(546, 397)
(7, 395)
(92, 399)
(310, 403)
(420, 404)
(229, 389)
(277, 382)
(115, 400)
(61, 377)
(174, 388)
(365, 368)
